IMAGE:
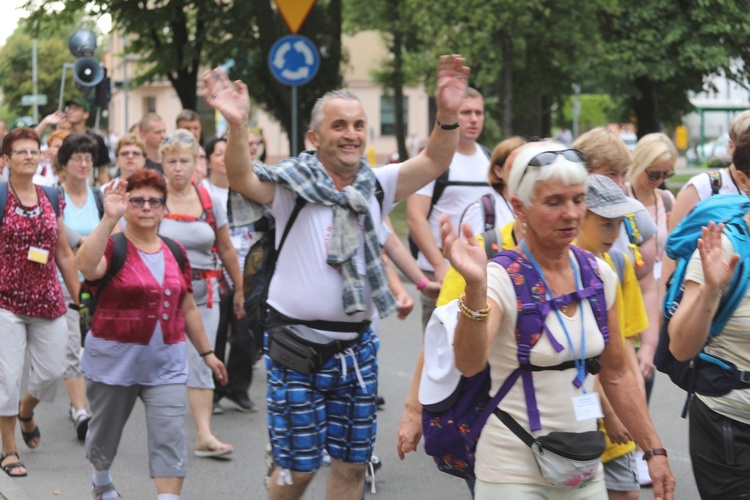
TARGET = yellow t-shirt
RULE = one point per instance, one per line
(454, 284)
(629, 300)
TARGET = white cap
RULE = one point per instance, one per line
(440, 377)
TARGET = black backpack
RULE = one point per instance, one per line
(90, 292)
(441, 183)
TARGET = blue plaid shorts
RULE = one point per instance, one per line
(328, 408)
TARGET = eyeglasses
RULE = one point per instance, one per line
(134, 154)
(655, 176)
(140, 201)
(185, 139)
(549, 157)
(81, 160)
(26, 152)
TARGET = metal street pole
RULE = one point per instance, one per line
(34, 80)
(294, 121)
(125, 82)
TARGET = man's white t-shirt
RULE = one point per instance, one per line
(474, 214)
(304, 286)
(455, 199)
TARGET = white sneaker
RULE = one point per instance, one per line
(326, 457)
(644, 478)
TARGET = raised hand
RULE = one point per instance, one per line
(232, 100)
(55, 118)
(452, 78)
(717, 271)
(467, 257)
(115, 199)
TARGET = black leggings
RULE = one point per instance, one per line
(243, 352)
(720, 452)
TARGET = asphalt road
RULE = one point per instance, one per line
(59, 470)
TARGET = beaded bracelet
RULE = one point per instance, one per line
(479, 315)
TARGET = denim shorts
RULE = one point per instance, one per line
(333, 408)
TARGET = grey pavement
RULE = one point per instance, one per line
(59, 470)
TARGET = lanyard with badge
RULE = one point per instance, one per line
(36, 252)
(587, 405)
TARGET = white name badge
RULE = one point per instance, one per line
(587, 407)
(38, 255)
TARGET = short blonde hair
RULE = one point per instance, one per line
(181, 141)
(563, 170)
(740, 126)
(651, 148)
(130, 140)
(603, 148)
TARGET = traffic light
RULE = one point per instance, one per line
(103, 91)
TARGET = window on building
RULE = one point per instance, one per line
(149, 105)
(388, 115)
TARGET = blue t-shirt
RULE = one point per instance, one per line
(81, 220)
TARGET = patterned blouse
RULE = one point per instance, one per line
(29, 288)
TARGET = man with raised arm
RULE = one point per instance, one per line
(330, 278)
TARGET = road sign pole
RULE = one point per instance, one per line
(295, 148)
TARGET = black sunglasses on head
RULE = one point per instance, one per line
(549, 157)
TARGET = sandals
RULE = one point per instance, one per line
(98, 491)
(215, 450)
(9, 468)
(28, 436)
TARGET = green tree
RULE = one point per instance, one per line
(177, 39)
(395, 20)
(655, 53)
(16, 69)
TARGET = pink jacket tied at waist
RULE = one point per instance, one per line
(131, 304)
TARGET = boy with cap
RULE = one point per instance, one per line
(607, 207)
(77, 111)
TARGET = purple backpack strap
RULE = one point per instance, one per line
(593, 288)
(476, 427)
(533, 308)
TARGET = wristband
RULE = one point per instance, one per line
(648, 455)
(204, 354)
(423, 283)
(444, 126)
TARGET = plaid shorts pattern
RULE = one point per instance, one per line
(328, 409)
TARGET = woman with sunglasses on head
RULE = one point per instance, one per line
(32, 309)
(205, 234)
(136, 347)
(547, 185)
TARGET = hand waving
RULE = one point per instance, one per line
(115, 199)
(468, 258)
(220, 94)
(717, 272)
(452, 77)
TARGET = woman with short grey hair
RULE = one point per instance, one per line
(559, 346)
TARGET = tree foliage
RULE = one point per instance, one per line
(16, 67)
(177, 39)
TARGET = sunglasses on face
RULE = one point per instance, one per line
(655, 176)
(140, 201)
(549, 157)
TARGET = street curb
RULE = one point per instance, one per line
(10, 489)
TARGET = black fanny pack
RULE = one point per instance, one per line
(289, 346)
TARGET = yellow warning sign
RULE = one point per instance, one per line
(294, 12)
(681, 137)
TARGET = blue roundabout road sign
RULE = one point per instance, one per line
(294, 60)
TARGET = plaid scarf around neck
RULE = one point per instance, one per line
(307, 177)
